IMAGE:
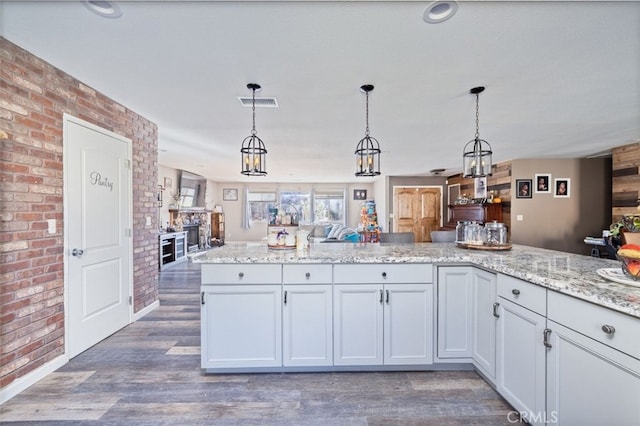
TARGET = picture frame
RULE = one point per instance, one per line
(543, 183)
(480, 187)
(359, 194)
(523, 188)
(168, 183)
(230, 194)
(562, 187)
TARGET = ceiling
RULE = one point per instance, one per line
(562, 78)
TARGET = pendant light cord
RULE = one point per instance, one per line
(477, 116)
(366, 132)
(253, 130)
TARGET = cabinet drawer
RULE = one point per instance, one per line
(383, 273)
(589, 319)
(241, 274)
(525, 294)
(306, 274)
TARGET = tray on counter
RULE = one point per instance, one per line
(617, 276)
(500, 247)
(279, 247)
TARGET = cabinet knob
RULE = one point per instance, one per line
(609, 329)
(308, 275)
(515, 292)
(240, 274)
(384, 275)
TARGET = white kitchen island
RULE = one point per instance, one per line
(559, 342)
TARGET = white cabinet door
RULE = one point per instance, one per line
(455, 327)
(408, 324)
(484, 322)
(241, 326)
(521, 359)
(307, 325)
(358, 324)
(589, 383)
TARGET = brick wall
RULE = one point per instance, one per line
(33, 97)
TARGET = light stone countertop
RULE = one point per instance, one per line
(567, 273)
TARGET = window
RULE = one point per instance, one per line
(329, 206)
(326, 205)
(260, 203)
(302, 203)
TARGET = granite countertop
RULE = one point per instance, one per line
(567, 273)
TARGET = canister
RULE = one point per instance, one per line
(496, 233)
(460, 229)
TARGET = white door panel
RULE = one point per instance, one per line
(97, 233)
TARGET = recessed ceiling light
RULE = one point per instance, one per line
(105, 8)
(440, 11)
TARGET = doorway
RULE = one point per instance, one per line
(97, 233)
(417, 209)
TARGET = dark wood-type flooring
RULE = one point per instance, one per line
(149, 374)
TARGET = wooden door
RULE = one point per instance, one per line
(417, 210)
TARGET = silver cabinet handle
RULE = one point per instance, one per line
(381, 296)
(495, 310)
(609, 329)
(387, 297)
(515, 292)
(77, 252)
(240, 274)
(308, 275)
(545, 335)
(285, 297)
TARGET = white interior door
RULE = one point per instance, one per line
(97, 198)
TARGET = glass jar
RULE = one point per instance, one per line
(496, 233)
(460, 230)
(474, 234)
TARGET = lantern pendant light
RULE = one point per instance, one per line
(477, 152)
(254, 153)
(368, 149)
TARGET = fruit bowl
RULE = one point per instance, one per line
(630, 267)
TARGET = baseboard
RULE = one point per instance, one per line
(155, 305)
(22, 383)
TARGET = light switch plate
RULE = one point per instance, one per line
(519, 218)
(51, 226)
(148, 220)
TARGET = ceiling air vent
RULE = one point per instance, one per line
(260, 102)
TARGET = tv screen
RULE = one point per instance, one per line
(192, 190)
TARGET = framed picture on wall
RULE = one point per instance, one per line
(480, 185)
(543, 184)
(562, 187)
(523, 188)
(230, 194)
(359, 194)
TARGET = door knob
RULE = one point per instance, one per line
(77, 252)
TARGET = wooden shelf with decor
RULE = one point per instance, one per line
(217, 228)
(481, 213)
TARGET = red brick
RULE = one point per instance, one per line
(31, 164)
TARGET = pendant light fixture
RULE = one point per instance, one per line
(368, 149)
(477, 152)
(254, 154)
